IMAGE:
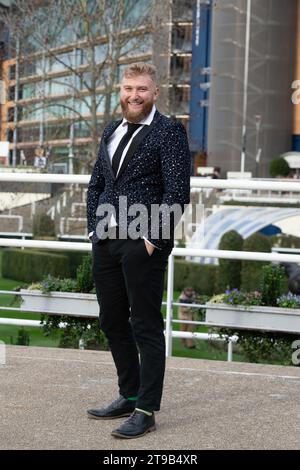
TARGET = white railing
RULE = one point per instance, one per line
(196, 182)
(18, 218)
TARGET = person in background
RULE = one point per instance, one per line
(187, 296)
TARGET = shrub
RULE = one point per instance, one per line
(251, 274)
(201, 277)
(43, 227)
(271, 284)
(54, 284)
(85, 281)
(30, 265)
(23, 338)
(230, 270)
(75, 260)
(264, 346)
(279, 167)
(75, 329)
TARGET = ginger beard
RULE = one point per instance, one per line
(135, 110)
(138, 95)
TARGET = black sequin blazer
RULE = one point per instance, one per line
(155, 170)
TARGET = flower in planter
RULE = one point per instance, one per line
(217, 299)
(239, 297)
(289, 301)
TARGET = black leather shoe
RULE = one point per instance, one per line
(117, 409)
(137, 425)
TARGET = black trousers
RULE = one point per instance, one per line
(129, 286)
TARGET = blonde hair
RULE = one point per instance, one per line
(141, 68)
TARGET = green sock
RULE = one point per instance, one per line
(132, 398)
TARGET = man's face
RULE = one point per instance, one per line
(138, 94)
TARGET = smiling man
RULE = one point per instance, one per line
(144, 158)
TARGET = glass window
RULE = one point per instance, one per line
(141, 44)
(57, 131)
(101, 52)
(59, 109)
(62, 61)
(59, 86)
(81, 129)
(136, 12)
(12, 72)
(11, 93)
(28, 134)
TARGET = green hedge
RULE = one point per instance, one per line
(203, 278)
(30, 265)
(230, 270)
(75, 260)
(252, 270)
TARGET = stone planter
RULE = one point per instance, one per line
(254, 317)
(60, 303)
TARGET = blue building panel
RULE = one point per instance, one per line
(296, 143)
(200, 78)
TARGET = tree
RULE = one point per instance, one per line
(279, 167)
(87, 42)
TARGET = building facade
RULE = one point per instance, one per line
(250, 108)
(44, 117)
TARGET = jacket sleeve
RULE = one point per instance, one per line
(95, 188)
(175, 172)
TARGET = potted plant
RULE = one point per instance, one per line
(74, 297)
(69, 306)
(265, 309)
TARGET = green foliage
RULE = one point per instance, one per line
(289, 301)
(251, 275)
(75, 259)
(85, 281)
(279, 167)
(75, 329)
(23, 338)
(203, 278)
(263, 346)
(29, 265)
(230, 270)
(259, 346)
(43, 226)
(54, 284)
(283, 240)
(271, 284)
(236, 297)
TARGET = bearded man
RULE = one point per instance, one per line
(143, 159)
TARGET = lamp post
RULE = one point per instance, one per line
(245, 93)
(257, 149)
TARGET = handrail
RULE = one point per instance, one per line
(196, 181)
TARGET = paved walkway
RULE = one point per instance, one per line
(206, 405)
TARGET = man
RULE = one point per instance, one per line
(145, 159)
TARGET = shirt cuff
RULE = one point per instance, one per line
(150, 243)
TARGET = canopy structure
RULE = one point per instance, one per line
(293, 159)
(244, 220)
